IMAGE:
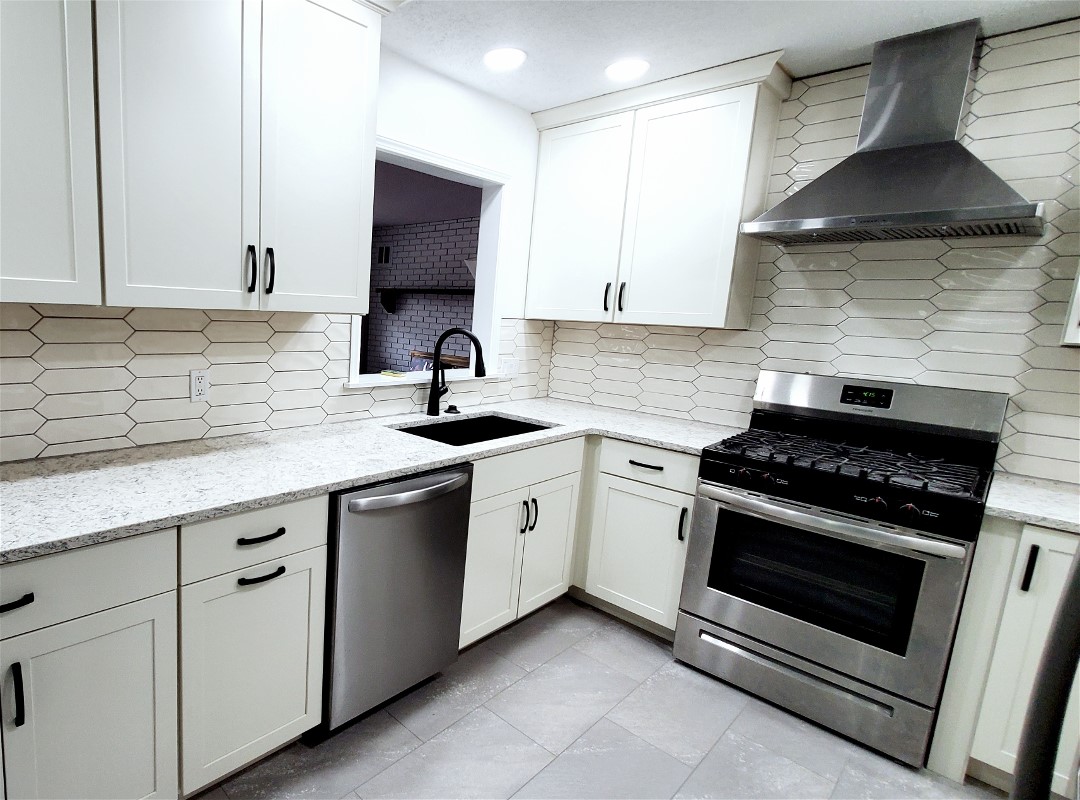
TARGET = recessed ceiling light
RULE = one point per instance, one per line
(504, 59)
(626, 69)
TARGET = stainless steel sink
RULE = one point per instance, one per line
(470, 430)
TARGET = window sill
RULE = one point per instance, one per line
(410, 379)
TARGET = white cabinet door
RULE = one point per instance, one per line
(252, 656)
(100, 705)
(549, 542)
(320, 75)
(493, 564)
(636, 555)
(577, 219)
(49, 249)
(1025, 624)
(688, 172)
(178, 87)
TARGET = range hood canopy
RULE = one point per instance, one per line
(909, 178)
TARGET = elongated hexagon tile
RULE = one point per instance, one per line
(17, 317)
(18, 343)
(57, 329)
(168, 431)
(167, 319)
(84, 404)
(77, 429)
(91, 354)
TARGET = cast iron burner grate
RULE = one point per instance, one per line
(907, 470)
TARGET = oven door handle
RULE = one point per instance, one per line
(823, 523)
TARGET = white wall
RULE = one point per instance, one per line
(427, 111)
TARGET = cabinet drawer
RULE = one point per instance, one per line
(79, 582)
(639, 462)
(222, 545)
(498, 474)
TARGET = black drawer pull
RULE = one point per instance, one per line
(1029, 570)
(273, 270)
(25, 600)
(682, 523)
(622, 288)
(260, 539)
(653, 467)
(525, 527)
(253, 258)
(20, 699)
(277, 573)
(607, 291)
(536, 515)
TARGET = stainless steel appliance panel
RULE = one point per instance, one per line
(866, 714)
(915, 672)
(395, 594)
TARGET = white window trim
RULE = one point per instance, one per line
(486, 323)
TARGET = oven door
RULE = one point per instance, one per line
(871, 601)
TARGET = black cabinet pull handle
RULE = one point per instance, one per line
(536, 514)
(20, 698)
(260, 539)
(1029, 570)
(253, 259)
(622, 288)
(607, 292)
(682, 522)
(25, 600)
(277, 573)
(273, 270)
(525, 527)
(653, 467)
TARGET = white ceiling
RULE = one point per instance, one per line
(569, 42)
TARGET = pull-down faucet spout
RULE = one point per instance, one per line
(438, 387)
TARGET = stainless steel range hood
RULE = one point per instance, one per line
(909, 178)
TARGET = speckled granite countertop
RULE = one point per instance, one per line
(57, 504)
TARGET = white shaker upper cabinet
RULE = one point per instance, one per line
(577, 219)
(320, 76)
(684, 201)
(237, 149)
(639, 197)
(48, 201)
(179, 104)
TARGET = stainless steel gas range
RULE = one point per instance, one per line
(831, 546)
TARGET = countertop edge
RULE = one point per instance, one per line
(1011, 486)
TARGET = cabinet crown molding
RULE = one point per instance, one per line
(764, 69)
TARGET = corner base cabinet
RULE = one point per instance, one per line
(642, 516)
(1035, 587)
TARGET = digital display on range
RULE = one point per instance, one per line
(866, 396)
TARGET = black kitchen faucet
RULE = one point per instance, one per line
(438, 375)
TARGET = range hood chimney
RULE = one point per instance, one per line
(909, 178)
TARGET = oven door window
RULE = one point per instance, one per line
(858, 591)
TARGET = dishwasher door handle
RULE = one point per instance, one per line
(362, 504)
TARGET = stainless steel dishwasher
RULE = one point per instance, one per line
(397, 567)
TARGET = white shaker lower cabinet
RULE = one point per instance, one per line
(251, 643)
(89, 703)
(521, 540)
(642, 515)
(1037, 581)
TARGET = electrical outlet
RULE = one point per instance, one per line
(200, 385)
(508, 365)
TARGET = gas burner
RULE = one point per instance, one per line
(906, 470)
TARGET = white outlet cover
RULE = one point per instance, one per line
(200, 385)
(509, 366)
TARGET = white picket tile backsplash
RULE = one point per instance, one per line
(110, 378)
(977, 313)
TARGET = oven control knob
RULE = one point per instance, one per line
(767, 478)
(908, 511)
(745, 474)
(879, 503)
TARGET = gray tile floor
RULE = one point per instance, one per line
(570, 703)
